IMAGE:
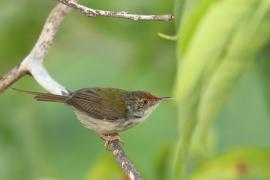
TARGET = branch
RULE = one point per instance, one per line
(12, 76)
(124, 15)
(122, 159)
(33, 64)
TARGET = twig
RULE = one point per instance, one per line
(122, 14)
(33, 64)
(167, 37)
(122, 159)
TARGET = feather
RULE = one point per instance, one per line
(104, 104)
(44, 96)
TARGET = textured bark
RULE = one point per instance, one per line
(123, 161)
(122, 14)
(9, 78)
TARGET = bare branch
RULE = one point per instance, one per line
(33, 63)
(122, 14)
(49, 31)
(12, 76)
(122, 159)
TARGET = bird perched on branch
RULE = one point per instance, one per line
(106, 111)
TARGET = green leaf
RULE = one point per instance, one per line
(224, 42)
(187, 124)
(239, 164)
(187, 14)
(203, 50)
(191, 19)
(178, 11)
(250, 37)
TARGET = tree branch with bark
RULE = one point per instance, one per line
(32, 64)
(121, 14)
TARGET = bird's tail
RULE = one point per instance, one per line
(44, 96)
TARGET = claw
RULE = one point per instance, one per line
(108, 138)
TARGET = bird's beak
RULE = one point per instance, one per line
(165, 98)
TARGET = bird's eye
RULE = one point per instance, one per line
(145, 102)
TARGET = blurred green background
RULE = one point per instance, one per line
(45, 141)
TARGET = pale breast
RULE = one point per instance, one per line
(103, 126)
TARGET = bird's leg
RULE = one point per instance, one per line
(108, 138)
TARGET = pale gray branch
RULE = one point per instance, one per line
(49, 31)
(33, 62)
(122, 14)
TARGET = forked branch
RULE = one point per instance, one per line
(33, 62)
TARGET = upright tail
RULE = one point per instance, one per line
(44, 96)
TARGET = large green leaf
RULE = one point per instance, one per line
(191, 19)
(202, 50)
(187, 124)
(225, 39)
(250, 37)
(178, 11)
(187, 14)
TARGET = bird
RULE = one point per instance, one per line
(106, 111)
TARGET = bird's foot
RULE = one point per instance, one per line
(109, 138)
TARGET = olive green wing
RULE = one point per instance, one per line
(99, 103)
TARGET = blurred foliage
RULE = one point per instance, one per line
(217, 42)
(238, 164)
(262, 69)
(106, 168)
(222, 73)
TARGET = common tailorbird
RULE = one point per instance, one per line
(106, 111)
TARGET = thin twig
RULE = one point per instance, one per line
(122, 14)
(123, 161)
(33, 64)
